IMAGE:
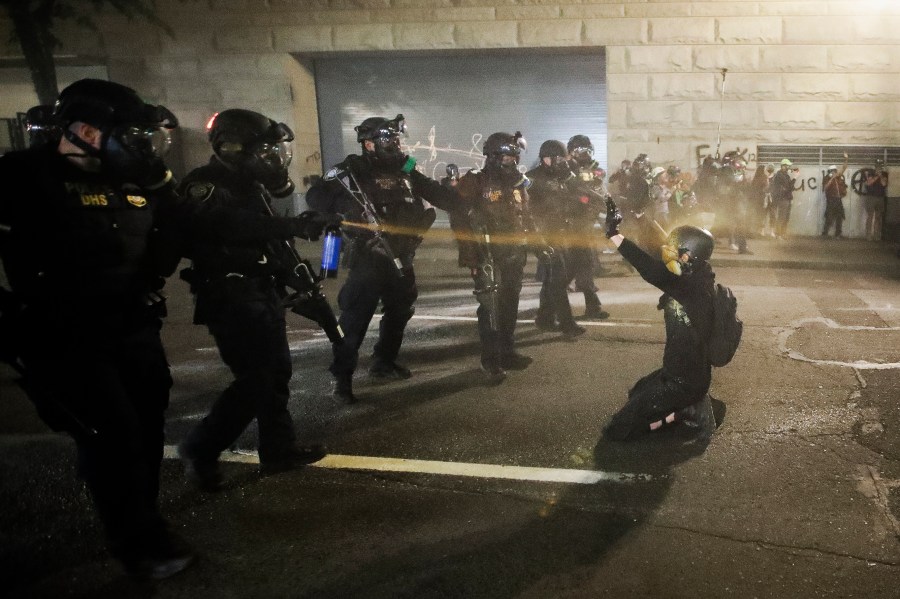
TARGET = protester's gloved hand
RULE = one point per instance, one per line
(310, 224)
(613, 218)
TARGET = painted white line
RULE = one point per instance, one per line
(786, 333)
(588, 323)
(497, 471)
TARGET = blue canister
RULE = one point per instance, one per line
(331, 253)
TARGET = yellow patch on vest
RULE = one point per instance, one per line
(94, 199)
(139, 201)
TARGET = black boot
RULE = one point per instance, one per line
(343, 388)
(592, 307)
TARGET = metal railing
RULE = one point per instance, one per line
(826, 155)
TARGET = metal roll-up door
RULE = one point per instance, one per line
(453, 102)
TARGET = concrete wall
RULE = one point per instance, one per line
(800, 71)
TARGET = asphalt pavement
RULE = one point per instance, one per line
(443, 486)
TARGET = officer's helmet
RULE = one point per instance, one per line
(552, 149)
(832, 168)
(385, 135)
(502, 151)
(251, 142)
(132, 129)
(641, 165)
(686, 238)
(581, 149)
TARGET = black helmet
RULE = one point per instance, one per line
(385, 135)
(254, 144)
(641, 165)
(503, 144)
(106, 104)
(379, 126)
(552, 149)
(498, 145)
(699, 242)
(135, 134)
(582, 142)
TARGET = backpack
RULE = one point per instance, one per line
(727, 327)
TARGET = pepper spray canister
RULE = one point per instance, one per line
(331, 253)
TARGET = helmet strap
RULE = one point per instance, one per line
(89, 150)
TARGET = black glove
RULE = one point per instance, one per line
(613, 218)
(310, 224)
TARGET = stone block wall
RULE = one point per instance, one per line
(799, 71)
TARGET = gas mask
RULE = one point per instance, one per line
(583, 156)
(253, 144)
(126, 149)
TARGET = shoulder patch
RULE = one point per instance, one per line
(199, 190)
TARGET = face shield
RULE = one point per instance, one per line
(131, 147)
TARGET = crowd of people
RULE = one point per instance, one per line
(96, 183)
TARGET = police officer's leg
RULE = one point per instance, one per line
(511, 268)
(250, 338)
(558, 295)
(120, 461)
(147, 380)
(266, 358)
(545, 319)
(398, 298)
(357, 299)
(582, 272)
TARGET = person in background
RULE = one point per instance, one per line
(876, 193)
(553, 196)
(590, 193)
(782, 189)
(835, 188)
(493, 243)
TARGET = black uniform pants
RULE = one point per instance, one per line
(508, 268)
(580, 265)
(554, 304)
(109, 388)
(252, 340)
(371, 279)
(652, 398)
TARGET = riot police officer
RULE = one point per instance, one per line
(553, 196)
(387, 204)
(582, 216)
(83, 240)
(499, 232)
(237, 280)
